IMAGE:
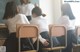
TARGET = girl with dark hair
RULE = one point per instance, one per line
(38, 18)
(12, 18)
(68, 20)
(66, 10)
(26, 8)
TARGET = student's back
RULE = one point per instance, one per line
(17, 19)
(68, 20)
(12, 18)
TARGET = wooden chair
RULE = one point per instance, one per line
(77, 33)
(4, 33)
(27, 31)
(57, 31)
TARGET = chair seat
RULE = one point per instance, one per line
(30, 51)
(54, 48)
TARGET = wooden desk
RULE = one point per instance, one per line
(4, 33)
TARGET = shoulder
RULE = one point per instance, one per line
(20, 16)
(30, 5)
(43, 18)
(64, 17)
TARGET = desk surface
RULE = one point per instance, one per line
(2, 25)
(3, 31)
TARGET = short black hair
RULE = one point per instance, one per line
(10, 10)
(37, 11)
(66, 10)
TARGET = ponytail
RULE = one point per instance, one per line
(43, 15)
(38, 11)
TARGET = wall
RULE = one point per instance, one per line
(56, 10)
(46, 7)
(52, 9)
(2, 8)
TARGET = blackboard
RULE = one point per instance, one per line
(3, 4)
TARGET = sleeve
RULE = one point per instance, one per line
(42, 40)
(22, 19)
(26, 20)
(31, 6)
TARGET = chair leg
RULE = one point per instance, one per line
(72, 49)
(60, 50)
(19, 45)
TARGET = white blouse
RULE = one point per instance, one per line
(26, 9)
(41, 22)
(69, 24)
(43, 25)
(18, 19)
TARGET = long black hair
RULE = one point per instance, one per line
(66, 10)
(38, 11)
(10, 10)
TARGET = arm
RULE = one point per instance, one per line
(23, 20)
(43, 41)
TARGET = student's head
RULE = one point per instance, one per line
(24, 1)
(37, 12)
(10, 10)
(66, 10)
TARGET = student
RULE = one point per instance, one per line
(39, 19)
(12, 18)
(26, 8)
(68, 20)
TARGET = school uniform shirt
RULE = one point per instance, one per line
(17, 19)
(43, 25)
(26, 9)
(69, 24)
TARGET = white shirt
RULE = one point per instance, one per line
(41, 22)
(43, 25)
(69, 24)
(26, 9)
(18, 19)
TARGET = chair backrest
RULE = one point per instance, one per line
(27, 31)
(4, 33)
(57, 31)
(78, 30)
(60, 33)
(78, 34)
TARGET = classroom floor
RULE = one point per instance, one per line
(75, 49)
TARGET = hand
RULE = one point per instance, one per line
(45, 43)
